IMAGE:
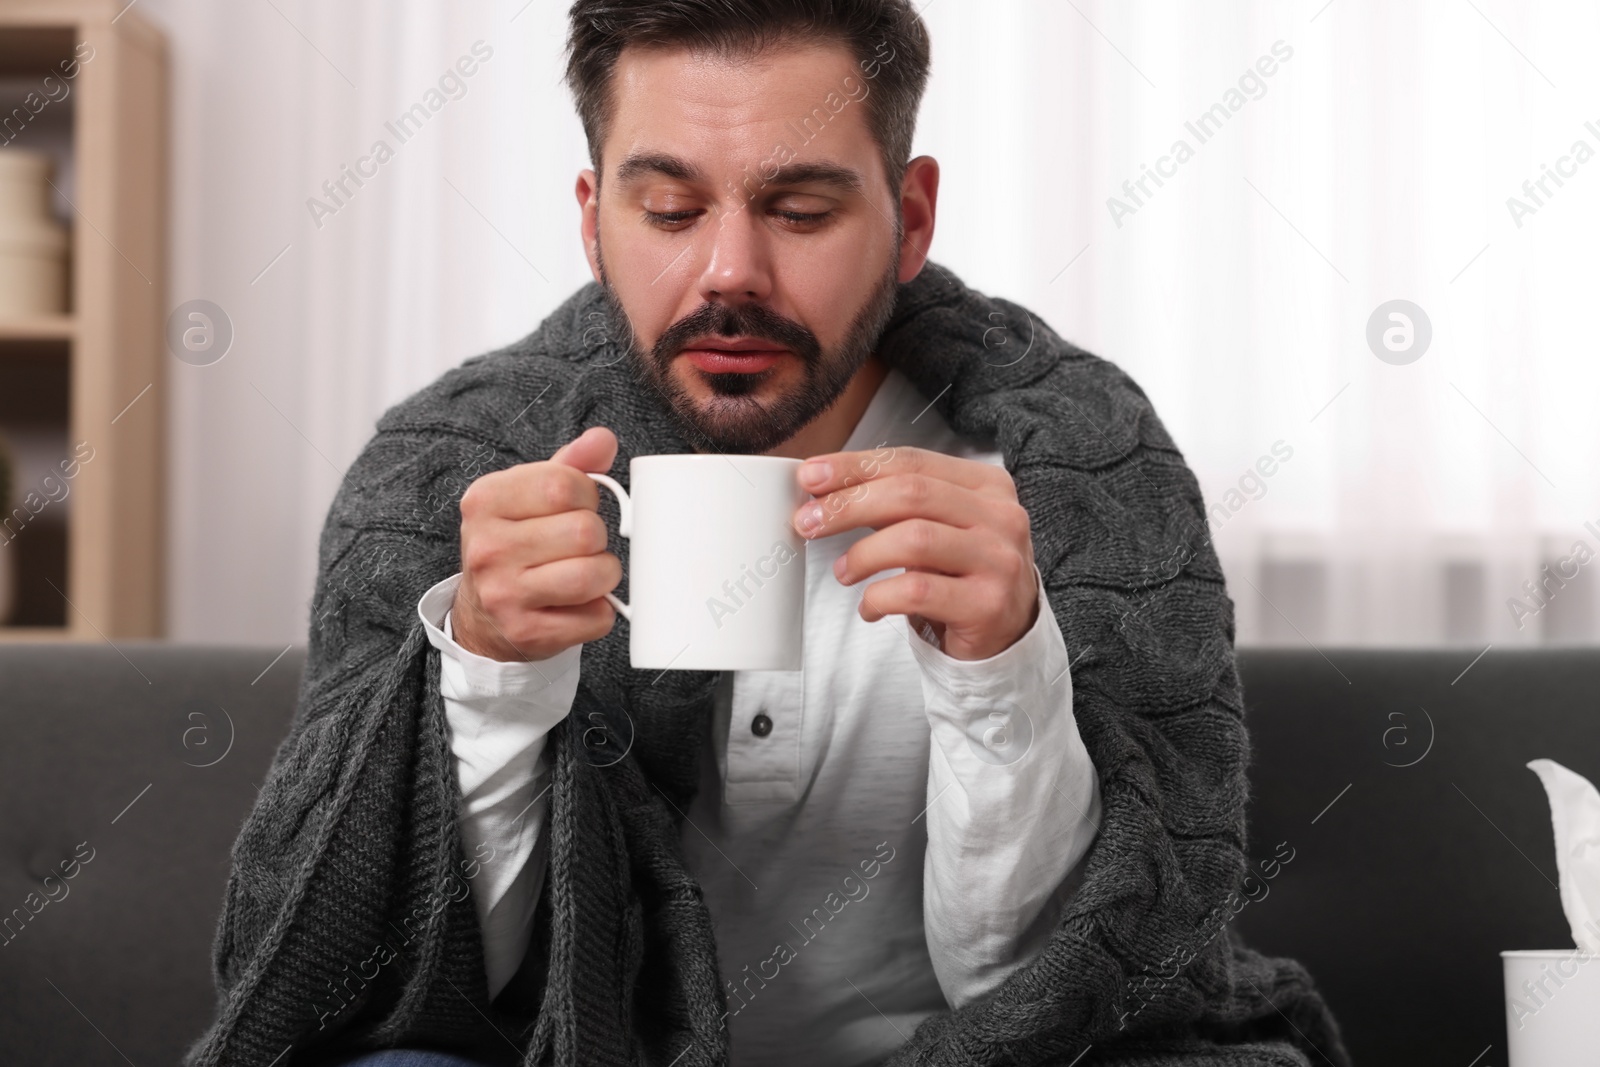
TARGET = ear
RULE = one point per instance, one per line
(588, 192)
(919, 201)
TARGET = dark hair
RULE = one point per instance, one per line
(887, 38)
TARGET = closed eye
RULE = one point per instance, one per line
(669, 218)
(805, 218)
(678, 218)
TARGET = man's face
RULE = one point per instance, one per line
(751, 243)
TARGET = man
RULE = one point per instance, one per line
(944, 839)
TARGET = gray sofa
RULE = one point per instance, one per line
(1420, 844)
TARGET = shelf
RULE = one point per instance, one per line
(37, 633)
(66, 380)
(39, 328)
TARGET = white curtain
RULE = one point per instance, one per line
(1353, 500)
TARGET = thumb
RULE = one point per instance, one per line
(593, 450)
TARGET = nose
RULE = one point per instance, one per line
(739, 267)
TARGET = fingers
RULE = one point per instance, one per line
(974, 619)
(566, 582)
(581, 623)
(534, 542)
(530, 490)
(548, 487)
(837, 470)
(595, 449)
(533, 556)
(889, 500)
(956, 527)
(919, 544)
(933, 596)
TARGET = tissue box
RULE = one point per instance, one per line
(1552, 1008)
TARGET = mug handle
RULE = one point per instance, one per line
(624, 527)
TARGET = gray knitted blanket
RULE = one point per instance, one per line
(348, 921)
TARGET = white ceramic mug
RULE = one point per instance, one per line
(717, 571)
(1552, 1008)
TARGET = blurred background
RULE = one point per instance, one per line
(1360, 294)
(1346, 246)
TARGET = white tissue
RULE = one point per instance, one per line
(1575, 813)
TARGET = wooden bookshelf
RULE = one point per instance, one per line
(92, 568)
(40, 328)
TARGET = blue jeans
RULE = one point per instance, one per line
(408, 1057)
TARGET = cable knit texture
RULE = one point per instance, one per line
(348, 921)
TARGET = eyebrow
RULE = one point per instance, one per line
(811, 172)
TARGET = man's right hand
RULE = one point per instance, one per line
(534, 564)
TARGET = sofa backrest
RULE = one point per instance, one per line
(1421, 845)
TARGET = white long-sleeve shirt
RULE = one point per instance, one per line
(880, 835)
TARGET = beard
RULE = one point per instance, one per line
(733, 419)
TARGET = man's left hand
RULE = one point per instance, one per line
(954, 525)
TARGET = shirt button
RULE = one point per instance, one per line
(761, 726)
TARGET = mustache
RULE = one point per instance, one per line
(746, 320)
